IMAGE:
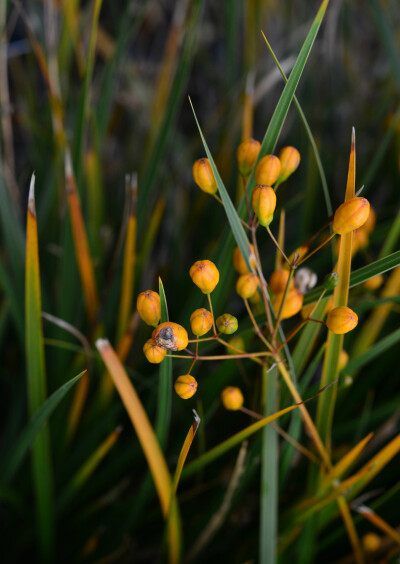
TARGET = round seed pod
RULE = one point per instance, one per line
(204, 177)
(247, 154)
(232, 398)
(153, 352)
(305, 279)
(267, 170)
(205, 275)
(201, 322)
(290, 160)
(185, 386)
(341, 320)
(247, 285)
(149, 307)
(171, 336)
(237, 345)
(278, 281)
(374, 283)
(371, 542)
(227, 324)
(331, 281)
(239, 262)
(263, 201)
(351, 215)
(293, 303)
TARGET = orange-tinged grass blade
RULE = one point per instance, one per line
(152, 229)
(344, 464)
(334, 343)
(236, 439)
(125, 304)
(148, 441)
(88, 467)
(169, 65)
(380, 523)
(184, 452)
(84, 260)
(351, 530)
(123, 348)
(36, 381)
(373, 325)
(77, 404)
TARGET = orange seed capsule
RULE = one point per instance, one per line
(185, 386)
(247, 154)
(204, 177)
(343, 359)
(171, 336)
(205, 275)
(227, 324)
(263, 201)
(351, 215)
(237, 345)
(374, 283)
(232, 398)
(341, 320)
(278, 281)
(267, 170)
(290, 160)
(149, 307)
(369, 225)
(201, 322)
(247, 285)
(239, 262)
(371, 542)
(293, 303)
(153, 352)
(300, 253)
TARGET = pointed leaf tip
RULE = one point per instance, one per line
(31, 197)
(102, 344)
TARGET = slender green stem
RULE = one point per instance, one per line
(310, 254)
(212, 313)
(256, 327)
(278, 318)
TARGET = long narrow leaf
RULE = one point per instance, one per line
(148, 441)
(165, 384)
(36, 380)
(35, 425)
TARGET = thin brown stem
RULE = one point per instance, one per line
(278, 318)
(263, 282)
(212, 313)
(222, 204)
(310, 254)
(223, 356)
(256, 327)
(278, 246)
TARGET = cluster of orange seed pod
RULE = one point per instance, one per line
(286, 292)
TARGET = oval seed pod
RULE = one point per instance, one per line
(341, 320)
(278, 281)
(201, 322)
(299, 253)
(232, 398)
(153, 352)
(227, 324)
(290, 160)
(374, 283)
(263, 201)
(185, 386)
(369, 225)
(343, 359)
(350, 215)
(247, 285)
(267, 170)
(204, 177)
(239, 262)
(171, 336)
(149, 307)
(293, 303)
(247, 154)
(205, 275)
